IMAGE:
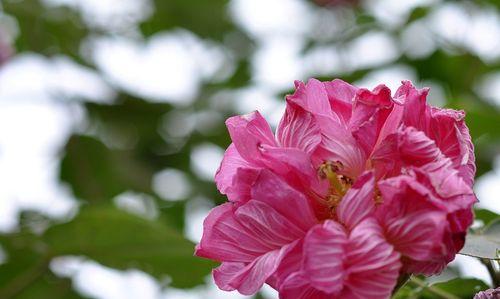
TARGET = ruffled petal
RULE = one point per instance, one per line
(249, 278)
(339, 145)
(272, 228)
(412, 223)
(235, 176)
(358, 203)
(298, 129)
(253, 238)
(360, 264)
(291, 263)
(408, 147)
(372, 263)
(275, 192)
(312, 97)
(297, 286)
(324, 255)
(446, 186)
(367, 103)
(445, 126)
(452, 136)
(341, 96)
(226, 239)
(245, 233)
(296, 167)
(248, 132)
(416, 114)
(371, 109)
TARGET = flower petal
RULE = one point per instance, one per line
(298, 129)
(244, 233)
(412, 223)
(341, 96)
(296, 167)
(358, 203)
(340, 145)
(248, 278)
(235, 176)
(272, 190)
(296, 286)
(445, 126)
(359, 265)
(226, 239)
(372, 263)
(248, 132)
(324, 254)
(312, 97)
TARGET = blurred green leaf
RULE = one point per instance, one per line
(482, 120)
(46, 30)
(486, 215)
(132, 122)
(121, 240)
(172, 213)
(405, 292)
(241, 76)
(418, 13)
(26, 275)
(464, 288)
(485, 243)
(96, 172)
(207, 18)
(454, 72)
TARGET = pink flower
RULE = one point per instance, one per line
(488, 294)
(354, 182)
(6, 50)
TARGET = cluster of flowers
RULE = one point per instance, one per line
(356, 188)
(488, 294)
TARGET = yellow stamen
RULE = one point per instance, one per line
(339, 184)
(334, 180)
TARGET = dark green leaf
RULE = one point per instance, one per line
(484, 244)
(418, 13)
(48, 31)
(460, 287)
(121, 240)
(96, 172)
(205, 18)
(485, 215)
(26, 275)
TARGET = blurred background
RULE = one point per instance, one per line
(112, 121)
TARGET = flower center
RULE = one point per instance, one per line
(339, 184)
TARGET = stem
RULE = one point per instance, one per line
(17, 285)
(402, 280)
(495, 276)
(436, 291)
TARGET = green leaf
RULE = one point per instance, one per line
(463, 288)
(96, 172)
(26, 275)
(121, 240)
(482, 119)
(47, 31)
(460, 287)
(131, 122)
(484, 244)
(485, 215)
(418, 13)
(207, 18)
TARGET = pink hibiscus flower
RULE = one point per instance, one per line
(353, 183)
(488, 294)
